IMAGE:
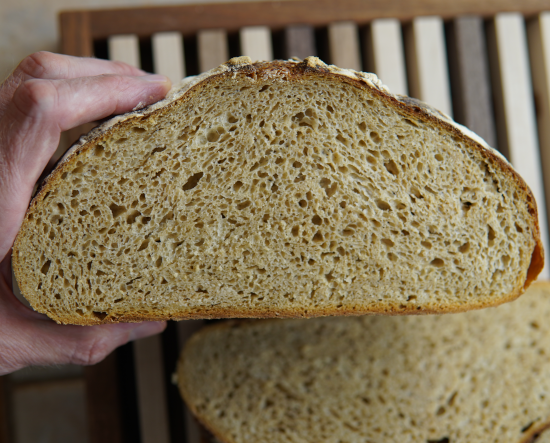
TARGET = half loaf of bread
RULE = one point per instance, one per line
(283, 189)
(475, 377)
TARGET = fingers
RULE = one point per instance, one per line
(43, 342)
(47, 65)
(42, 109)
(65, 104)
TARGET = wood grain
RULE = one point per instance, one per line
(213, 48)
(299, 41)
(514, 110)
(189, 19)
(103, 402)
(343, 41)
(168, 56)
(76, 37)
(469, 73)
(427, 63)
(384, 54)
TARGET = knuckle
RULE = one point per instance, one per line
(35, 96)
(37, 65)
(91, 351)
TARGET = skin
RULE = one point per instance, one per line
(44, 96)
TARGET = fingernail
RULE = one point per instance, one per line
(155, 78)
(146, 329)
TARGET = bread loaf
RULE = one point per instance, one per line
(479, 376)
(283, 189)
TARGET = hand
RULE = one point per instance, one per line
(45, 95)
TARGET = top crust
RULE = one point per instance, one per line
(289, 71)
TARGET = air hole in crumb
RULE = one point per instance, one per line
(46, 267)
(389, 243)
(392, 167)
(385, 206)
(132, 217)
(238, 185)
(193, 181)
(318, 237)
(143, 245)
(316, 220)
(100, 315)
(117, 210)
(464, 248)
(244, 205)
(491, 235)
(437, 262)
(328, 186)
(375, 137)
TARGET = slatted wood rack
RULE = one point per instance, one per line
(487, 62)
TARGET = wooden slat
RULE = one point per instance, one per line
(538, 31)
(343, 40)
(256, 43)
(469, 72)
(76, 37)
(103, 402)
(168, 56)
(384, 54)
(125, 48)
(515, 113)
(299, 41)
(153, 413)
(189, 19)
(427, 63)
(213, 48)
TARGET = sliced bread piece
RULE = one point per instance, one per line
(474, 377)
(277, 189)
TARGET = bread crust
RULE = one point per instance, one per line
(291, 71)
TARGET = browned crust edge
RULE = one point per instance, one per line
(290, 71)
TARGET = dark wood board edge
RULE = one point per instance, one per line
(188, 19)
(102, 401)
(4, 417)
